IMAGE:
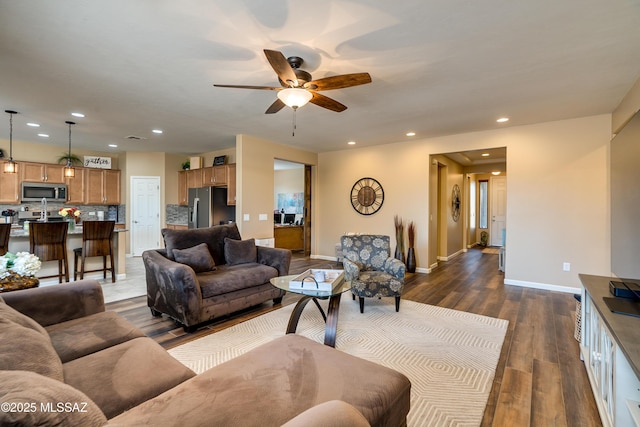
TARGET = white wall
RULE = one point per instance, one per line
(557, 196)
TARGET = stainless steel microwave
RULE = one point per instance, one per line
(35, 191)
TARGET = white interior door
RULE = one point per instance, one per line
(145, 213)
(498, 194)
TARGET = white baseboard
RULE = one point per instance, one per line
(543, 286)
(452, 256)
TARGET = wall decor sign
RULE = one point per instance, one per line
(219, 160)
(97, 162)
(455, 202)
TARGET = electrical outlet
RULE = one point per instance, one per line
(566, 266)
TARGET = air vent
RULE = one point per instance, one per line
(134, 137)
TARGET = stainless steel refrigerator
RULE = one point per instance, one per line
(208, 206)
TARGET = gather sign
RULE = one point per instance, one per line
(97, 162)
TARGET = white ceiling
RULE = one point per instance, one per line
(439, 67)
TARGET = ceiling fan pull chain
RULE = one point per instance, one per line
(293, 132)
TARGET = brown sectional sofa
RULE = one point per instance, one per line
(205, 273)
(66, 361)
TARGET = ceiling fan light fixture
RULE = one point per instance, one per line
(294, 97)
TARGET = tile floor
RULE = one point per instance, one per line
(134, 285)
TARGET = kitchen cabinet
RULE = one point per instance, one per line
(231, 184)
(102, 186)
(76, 187)
(194, 178)
(216, 176)
(9, 188)
(183, 191)
(41, 172)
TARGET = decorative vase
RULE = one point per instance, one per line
(399, 253)
(72, 224)
(411, 260)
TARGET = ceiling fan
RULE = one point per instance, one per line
(297, 87)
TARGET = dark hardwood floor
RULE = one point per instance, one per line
(540, 380)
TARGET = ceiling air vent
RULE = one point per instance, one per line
(134, 137)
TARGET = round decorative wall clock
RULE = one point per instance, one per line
(455, 203)
(367, 196)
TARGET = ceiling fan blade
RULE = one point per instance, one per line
(326, 102)
(339, 82)
(282, 67)
(275, 107)
(250, 87)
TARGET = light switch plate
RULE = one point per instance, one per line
(246, 217)
(262, 217)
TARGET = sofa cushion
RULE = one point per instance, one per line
(240, 251)
(197, 257)
(304, 373)
(79, 337)
(123, 376)
(28, 389)
(334, 413)
(212, 236)
(24, 349)
(10, 313)
(232, 278)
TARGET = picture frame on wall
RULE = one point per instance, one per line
(219, 160)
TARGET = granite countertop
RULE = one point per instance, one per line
(21, 232)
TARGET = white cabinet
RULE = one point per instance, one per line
(614, 382)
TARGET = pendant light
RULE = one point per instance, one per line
(69, 171)
(10, 166)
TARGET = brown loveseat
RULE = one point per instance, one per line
(205, 273)
(65, 361)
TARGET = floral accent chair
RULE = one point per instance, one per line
(373, 273)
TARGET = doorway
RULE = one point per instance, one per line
(145, 214)
(292, 206)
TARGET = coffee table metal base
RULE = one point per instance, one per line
(330, 318)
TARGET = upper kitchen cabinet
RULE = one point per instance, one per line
(183, 190)
(231, 184)
(9, 188)
(216, 175)
(194, 178)
(41, 172)
(76, 192)
(102, 186)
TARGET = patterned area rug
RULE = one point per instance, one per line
(450, 356)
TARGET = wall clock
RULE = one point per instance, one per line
(367, 196)
(455, 203)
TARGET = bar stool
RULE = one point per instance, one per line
(5, 231)
(97, 240)
(48, 241)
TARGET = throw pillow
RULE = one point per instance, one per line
(24, 349)
(10, 313)
(35, 400)
(197, 257)
(240, 251)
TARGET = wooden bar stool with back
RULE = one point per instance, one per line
(5, 232)
(48, 241)
(97, 240)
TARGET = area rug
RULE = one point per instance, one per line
(494, 251)
(449, 356)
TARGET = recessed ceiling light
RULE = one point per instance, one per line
(157, 131)
(495, 173)
(351, 143)
(485, 154)
(113, 145)
(33, 125)
(44, 135)
(502, 119)
(77, 115)
(411, 134)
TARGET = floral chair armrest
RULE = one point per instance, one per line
(351, 270)
(394, 267)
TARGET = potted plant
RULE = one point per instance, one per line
(75, 160)
(411, 254)
(186, 165)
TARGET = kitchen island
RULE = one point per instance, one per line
(19, 242)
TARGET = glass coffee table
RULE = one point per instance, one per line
(310, 294)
